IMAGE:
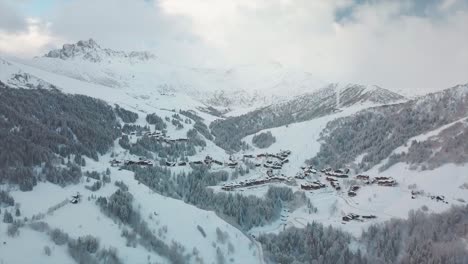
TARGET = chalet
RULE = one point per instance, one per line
(276, 163)
(438, 198)
(232, 164)
(129, 162)
(285, 161)
(334, 174)
(197, 162)
(182, 163)
(362, 177)
(350, 217)
(354, 188)
(258, 164)
(369, 216)
(76, 198)
(171, 163)
(144, 163)
(330, 179)
(352, 193)
(382, 178)
(312, 186)
(208, 160)
(335, 185)
(217, 162)
(248, 156)
(389, 183)
(115, 163)
(300, 175)
(261, 155)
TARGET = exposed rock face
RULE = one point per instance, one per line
(89, 50)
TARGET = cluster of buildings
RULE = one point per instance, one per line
(352, 190)
(357, 217)
(160, 136)
(140, 162)
(259, 181)
(175, 163)
(339, 173)
(274, 161)
(437, 198)
(315, 185)
(306, 171)
(334, 183)
(207, 161)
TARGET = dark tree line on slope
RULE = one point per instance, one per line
(148, 146)
(378, 131)
(263, 140)
(199, 124)
(230, 131)
(119, 206)
(313, 244)
(157, 121)
(245, 211)
(126, 115)
(450, 146)
(422, 238)
(39, 126)
(84, 250)
(6, 199)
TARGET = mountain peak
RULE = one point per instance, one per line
(90, 50)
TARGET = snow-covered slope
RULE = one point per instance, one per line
(323, 102)
(239, 86)
(293, 105)
(173, 219)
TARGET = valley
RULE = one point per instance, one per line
(109, 157)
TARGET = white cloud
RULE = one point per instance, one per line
(31, 41)
(379, 43)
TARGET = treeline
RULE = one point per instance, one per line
(313, 244)
(199, 124)
(422, 238)
(46, 126)
(449, 146)
(119, 206)
(157, 121)
(149, 146)
(245, 211)
(263, 140)
(376, 132)
(126, 115)
(84, 249)
(230, 131)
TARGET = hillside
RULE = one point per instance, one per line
(376, 132)
(119, 157)
(333, 98)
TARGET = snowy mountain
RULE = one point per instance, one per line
(228, 87)
(376, 132)
(119, 157)
(90, 51)
(333, 98)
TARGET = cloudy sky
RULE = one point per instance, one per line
(399, 44)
